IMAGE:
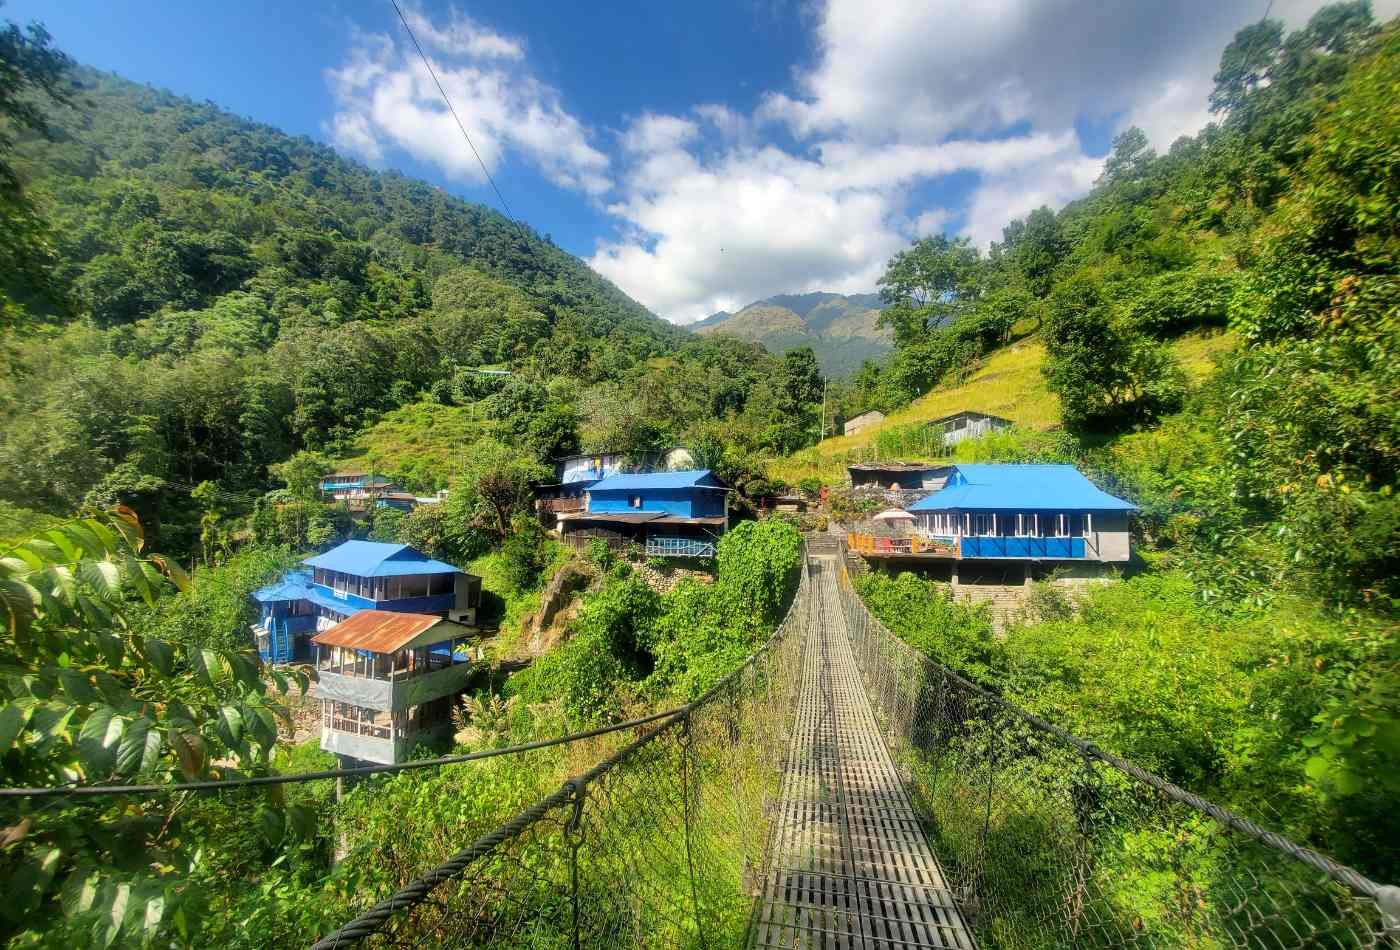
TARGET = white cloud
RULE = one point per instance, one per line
(463, 36)
(822, 182)
(386, 98)
(715, 214)
(707, 232)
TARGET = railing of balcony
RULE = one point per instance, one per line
(679, 547)
(873, 544)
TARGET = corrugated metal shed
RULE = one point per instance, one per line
(697, 478)
(1020, 487)
(378, 559)
(384, 631)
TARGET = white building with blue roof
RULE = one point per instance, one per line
(353, 577)
(1030, 513)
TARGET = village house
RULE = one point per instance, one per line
(359, 491)
(386, 681)
(353, 577)
(667, 514)
(1017, 522)
(575, 474)
(898, 476)
(400, 500)
(968, 424)
(862, 422)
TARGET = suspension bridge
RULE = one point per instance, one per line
(841, 790)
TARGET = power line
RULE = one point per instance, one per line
(451, 109)
(93, 791)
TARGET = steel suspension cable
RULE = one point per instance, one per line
(214, 785)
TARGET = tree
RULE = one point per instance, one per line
(302, 474)
(387, 525)
(1245, 64)
(1105, 375)
(801, 383)
(1034, 248)
(31, 70)
(928, 284)
(31, 73)
(1129, 160)
(88, 698)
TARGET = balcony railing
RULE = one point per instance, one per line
(879, 545)
(991, 547)
(679, 547)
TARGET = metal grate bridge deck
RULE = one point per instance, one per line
(849, 866)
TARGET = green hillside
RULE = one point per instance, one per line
(1009, 382)
(203, 296)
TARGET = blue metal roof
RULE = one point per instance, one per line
(294, 585)
(377, 559)
(322, 599)
(1020, 487)
(697, 478)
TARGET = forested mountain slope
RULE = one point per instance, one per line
(210, 296)
(158, 201)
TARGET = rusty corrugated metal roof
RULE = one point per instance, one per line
(382, 631)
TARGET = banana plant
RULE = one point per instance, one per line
(87, 699)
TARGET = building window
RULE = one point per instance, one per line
(985, 525)
(1025, 525)
(1061, 526)
(635, 501)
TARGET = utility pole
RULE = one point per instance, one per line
(823, 432)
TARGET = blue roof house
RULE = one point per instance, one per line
(353, 577)
(668, 514)
(1022, 512)
(360, 491)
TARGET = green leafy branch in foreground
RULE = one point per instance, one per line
(85, 699)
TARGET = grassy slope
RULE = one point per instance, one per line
(1008, 384)
(419, 443)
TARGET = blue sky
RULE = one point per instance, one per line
(706, 155)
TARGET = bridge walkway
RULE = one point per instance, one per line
(849, 864)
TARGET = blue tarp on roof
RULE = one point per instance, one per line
(697, 478)
(1020, 488)
(378, 559)
(294, 585)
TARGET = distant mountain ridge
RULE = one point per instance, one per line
(840, 328)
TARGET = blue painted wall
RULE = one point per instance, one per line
(348, 481)
(683, 502)
(1023, 547)
(409, 605)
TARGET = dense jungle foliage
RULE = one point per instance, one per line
(1252, 654)
(202, 297)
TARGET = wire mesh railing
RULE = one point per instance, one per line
(661, 844)
(1051, 842)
